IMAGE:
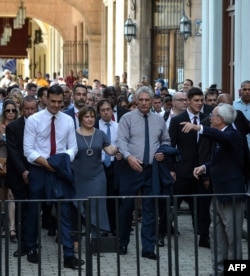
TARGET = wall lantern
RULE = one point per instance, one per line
(129, 30)
(185, 27)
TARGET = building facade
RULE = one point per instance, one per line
(88, 36)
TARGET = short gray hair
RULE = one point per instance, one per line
(144, 89)
(227, 113)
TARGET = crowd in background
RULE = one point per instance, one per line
(100, 111)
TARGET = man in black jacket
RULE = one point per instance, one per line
(17, 165)
(226, 171)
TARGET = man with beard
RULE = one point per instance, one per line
(79, 97)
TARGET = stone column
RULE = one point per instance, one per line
(119, 38)
(110, 46)
(95, 63)
(211, 43)
(242, 44)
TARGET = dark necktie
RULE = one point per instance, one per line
(107, 160)
(146, 148)
(195, 120)
(52, 137)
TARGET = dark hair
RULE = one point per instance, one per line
(84, 110)
(130, 104)
(212, 90)
(29, 99)
(121, 99)
(191, 82)
(107, 90)
(79, 85)
(163, 88)
(55, 90)
(5, 103)
(40, 91)
(102, 102)
(3, 92)
(8, 90)
(245, 82)
(168, 98)
(30, 85)
(195, 91)
(157, 97)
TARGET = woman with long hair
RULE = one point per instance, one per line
(9, 114)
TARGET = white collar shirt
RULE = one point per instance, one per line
(113, 132)
(37, 135)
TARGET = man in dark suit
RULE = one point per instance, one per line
(226, 171)
(80, 97)
(18, 166)
(111, 93)
(186, 184)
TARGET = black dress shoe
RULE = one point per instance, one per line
(123, 250)
(149, 255)
(23, 252)
(204, 242)
(32, 256)
(161, 241)
(72, 262)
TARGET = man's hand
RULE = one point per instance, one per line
(187, 127)
(198, 171)
(173, 174)
(118, 156)
(134, 163)
(25, 176)
(159, 156)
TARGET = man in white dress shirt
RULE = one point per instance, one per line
(39, 146)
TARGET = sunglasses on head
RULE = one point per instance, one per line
(11, 110)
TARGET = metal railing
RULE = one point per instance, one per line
(101, 254)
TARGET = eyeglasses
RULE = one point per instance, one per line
(245, 89)
(181, 100)
(10, 110)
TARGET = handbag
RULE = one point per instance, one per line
(3, 163)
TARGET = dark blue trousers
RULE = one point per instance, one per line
(130, 183)
(37, 181)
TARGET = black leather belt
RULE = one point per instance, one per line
(146, 167)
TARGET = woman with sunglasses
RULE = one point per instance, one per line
(9, 114)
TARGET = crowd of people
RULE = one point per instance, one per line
(118, 141)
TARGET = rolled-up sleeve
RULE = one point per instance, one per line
(72, 144)
(29, 140)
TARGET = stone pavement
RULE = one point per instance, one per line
(128, 264)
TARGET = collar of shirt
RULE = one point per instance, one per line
(191, 116)
(46, 111)
(103, 123)
(142, 114)
(76, 110)
(171, 113)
